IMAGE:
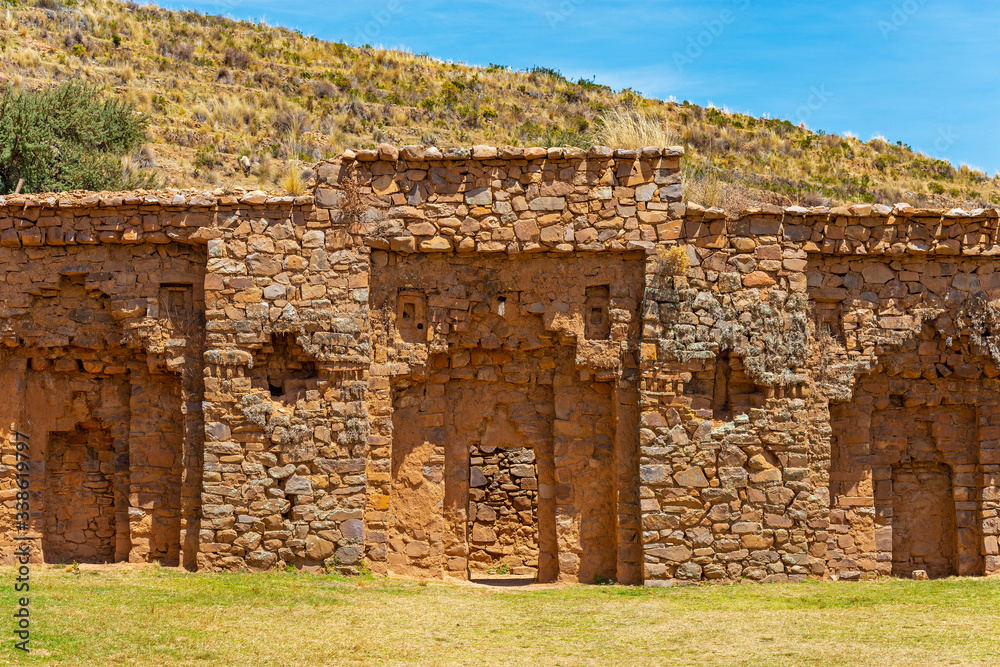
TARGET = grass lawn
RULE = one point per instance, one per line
(153, 616)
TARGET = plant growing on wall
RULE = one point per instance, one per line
(983, 323)
(834, 371)
(672, 261)
(67, 138)
(771, 334)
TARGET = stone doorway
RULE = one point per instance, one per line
(906, 480)
(80, 500)
(511, 355)
(923, 520)
(503, 512)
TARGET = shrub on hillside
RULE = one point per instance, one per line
(237, 59)
(66, 138)
(179, 50)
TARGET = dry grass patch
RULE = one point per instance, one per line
(160, 617)
(624, 127)
(292, 182)
(210, 81)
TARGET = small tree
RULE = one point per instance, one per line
(66, 138)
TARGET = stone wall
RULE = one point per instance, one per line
(79, 485)
(503, 510)
(104, 328)
(228, 381)
(497, 366)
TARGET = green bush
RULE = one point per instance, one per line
(206, 158)
(66, 138)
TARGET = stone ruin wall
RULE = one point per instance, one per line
(503, 510)
(226, 381)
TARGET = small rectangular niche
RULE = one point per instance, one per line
(596, 315)
(287, 367)
(829, 327)
(73, 284)
(177, 304)
(723, 389)
(735, 392)
(411, 317)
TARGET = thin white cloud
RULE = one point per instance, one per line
(655, 80)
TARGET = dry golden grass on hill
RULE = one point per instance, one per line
(217, 89)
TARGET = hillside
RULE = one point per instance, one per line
(216, 89)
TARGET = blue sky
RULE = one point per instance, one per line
(924, 72)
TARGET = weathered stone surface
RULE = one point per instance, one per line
(352, 529)
(877, 273)
(349, 555)
(436, 244)
(318, 548)
(645, 192)
(758, 279)
(484, 534)
(691, 477)
(298, 485)
(547, 204)
(261, 560)
(479, 197)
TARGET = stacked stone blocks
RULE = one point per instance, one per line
(244, 381)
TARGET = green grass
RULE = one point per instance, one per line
(155, 616)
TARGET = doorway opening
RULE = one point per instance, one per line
(503, 514)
